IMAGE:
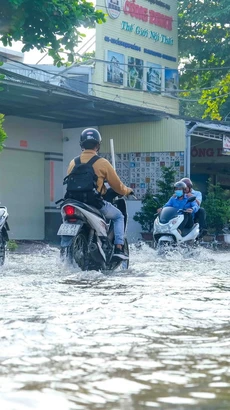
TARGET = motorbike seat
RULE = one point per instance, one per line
(94, 210)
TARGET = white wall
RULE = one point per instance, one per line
(41, 136)
(71, 146)
(134, 228)
(22, 192)
(33, 137)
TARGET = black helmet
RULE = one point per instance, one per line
(180, 185)
(187, 182)
(89, 138)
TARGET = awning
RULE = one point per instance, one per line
(30, 98)
(209, 130)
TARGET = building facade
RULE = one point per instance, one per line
(41, 141)
(31, 169)
(136, 63)
(137, 53)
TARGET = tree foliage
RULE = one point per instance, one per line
(2, 132)
(165, 184)
(146, 216)
(204, 36)
(217, 206)
(51, 25)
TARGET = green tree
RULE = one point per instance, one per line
(165, 184)
(48, 25)
(88, 56)
(51, 25)
(204, 50)
(2, 132)
(217, 206)
(146, 215)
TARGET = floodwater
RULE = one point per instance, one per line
(154, 337)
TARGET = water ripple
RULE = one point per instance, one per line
(155, 336)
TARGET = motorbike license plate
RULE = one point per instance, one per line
(68, 229)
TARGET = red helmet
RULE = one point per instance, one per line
(188, 182)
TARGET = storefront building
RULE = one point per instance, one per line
(135, 74)
(137, 53)
(136, 63)
(208, 154)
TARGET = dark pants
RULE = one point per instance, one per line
(200, 217)
(187, 222)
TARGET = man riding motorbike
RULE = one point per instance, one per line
(179, 201)
(90, 141)
(200, 215)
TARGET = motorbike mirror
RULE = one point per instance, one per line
(191, 199)
(132, 196)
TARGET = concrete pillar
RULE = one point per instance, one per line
(53, 192)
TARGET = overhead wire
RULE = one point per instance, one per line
(93, 59)
(116, 87)
(169, 108)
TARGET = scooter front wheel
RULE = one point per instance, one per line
(115, 263)
(163, 247)
(125, 264)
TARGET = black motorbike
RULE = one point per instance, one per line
(87, 238)
(4, 228)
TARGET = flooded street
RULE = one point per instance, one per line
(155, 336)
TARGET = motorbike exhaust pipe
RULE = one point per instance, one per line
(94, 252)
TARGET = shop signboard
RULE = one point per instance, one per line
(135, 73)
(136, 50)
(171, 81)
(115, 68)
(226, 145)
(154, 77)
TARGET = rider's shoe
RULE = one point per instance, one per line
(119, 253)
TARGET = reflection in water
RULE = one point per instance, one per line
(156, 336)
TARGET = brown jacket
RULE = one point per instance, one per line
(104, 170)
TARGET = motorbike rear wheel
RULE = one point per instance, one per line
(125, 264)
(114, 263)
(80, 251)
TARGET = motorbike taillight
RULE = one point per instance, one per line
(69, 210)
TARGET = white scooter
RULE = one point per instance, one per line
(4, 228)
(165, 232)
